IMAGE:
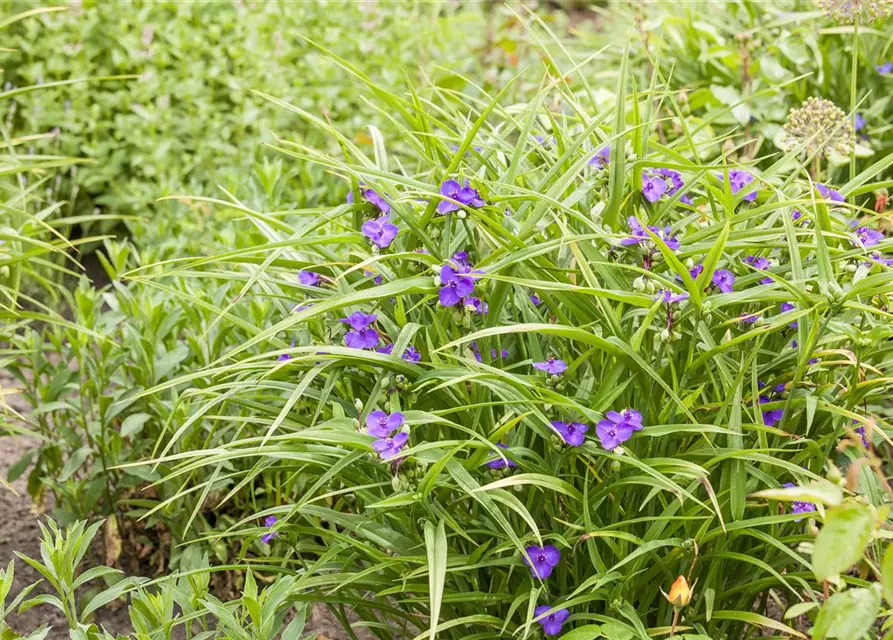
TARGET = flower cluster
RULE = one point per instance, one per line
(659, 183)
(457, 194)
(382, 426)
(639, 235)
(819, 127)
(617, 428)
(738, 179)
(848, 11)
(457, 283)
(771, 417)
(362, 335)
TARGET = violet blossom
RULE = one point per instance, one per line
(828, 193)
(268, 537)
(500, 462)
(552, 366)
(571, 432)
(362, 335)
(308, 278)
(382, 425)
(617, 428)
(601, 158)
(799, 506)
(387, 448)
(724, 280)
(463, 195)
(380, 231)
(373, 198)
(553, 622)
(542, 560)
(760, 264)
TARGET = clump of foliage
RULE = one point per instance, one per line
(533, 368)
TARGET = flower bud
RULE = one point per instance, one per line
(639, 284)
(680, 593)
(358, 404)
(461, 214)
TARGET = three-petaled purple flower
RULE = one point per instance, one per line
(799, 506)
(785, 307)
(542, 560)
(553, 622)
(867, 237)
(653, 187)
(462, 195)
(760, 264)
(387, 448)
(382, 425)
(829, 194)
(638, 234)
(535, 300)
(308, 278)
(362, 335)
(885, 68)
(601, 158)
(455, 285)
(552, 366)
(724, 280)
(799, 216)
(380, 231)
(500, 462)
(617, 428)
(571, 432)
(268, 537)
(676, 183)
(738, 179)
(373, 198)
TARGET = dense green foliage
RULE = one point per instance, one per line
(215, 391)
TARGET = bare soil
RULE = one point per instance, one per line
(19, 531)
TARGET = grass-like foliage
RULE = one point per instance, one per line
(601, 354)
(541, 361)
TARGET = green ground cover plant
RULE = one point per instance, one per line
(596, 363)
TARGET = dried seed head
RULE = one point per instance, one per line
(819, 126)
(849, 11)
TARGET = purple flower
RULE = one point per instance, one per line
(308, 278)
(867, 237)
(387, 448)
(861, 431)
(370, 196)
(738, 179)
(829, 194)
(475, 305)
(638, 234)
(381, 424)
(359, 320)
(748, 318)
(653, 187)
(377, 279)
(553, 622)
(773, 416)
(551, 366)
(268, 537)
(617, 428)
(571, 432)
(859, 122)
(461, 258)
(798, 215)
(878, 258)
(694, 272)
(799, 506)
(760, 264)
(667, 296)
(636, 230)
(500, 462)
(502, 354)
(676, 180)
(380, 231)
(463, 195)
(885, 68)
(411, 354)
(785, 307)
(535, 300)
(285, 356)
(542, 560)
(362, 336)
(601, 158)
(455, 286)
(724, 280)
(362, 339)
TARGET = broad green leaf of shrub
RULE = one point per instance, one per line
(842, 540)
(848, 615)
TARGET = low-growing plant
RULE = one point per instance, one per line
(539, 369)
